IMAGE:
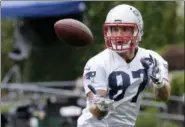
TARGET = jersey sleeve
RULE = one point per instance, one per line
(163, 65)
(95, 75)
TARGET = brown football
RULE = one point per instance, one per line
(73, 32)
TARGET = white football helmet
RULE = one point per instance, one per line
(125, 16)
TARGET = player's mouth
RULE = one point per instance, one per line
(122, 42)
(119, 42)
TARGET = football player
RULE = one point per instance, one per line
(121, 72)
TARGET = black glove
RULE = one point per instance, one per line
(152, 65)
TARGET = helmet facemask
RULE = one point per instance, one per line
(121, 43)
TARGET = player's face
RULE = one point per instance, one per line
(121, 37)
(122, 31)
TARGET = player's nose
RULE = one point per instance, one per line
(125, 33)
(121, 32)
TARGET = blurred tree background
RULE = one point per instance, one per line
(52, 60)
(162, 28)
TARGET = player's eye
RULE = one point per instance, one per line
(114, 29)
(128, 29)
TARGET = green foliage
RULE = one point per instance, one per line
(162, 50)
(160, 22)
(169, 124)
(6, 45)
(161, 27)
(7, 35)
(50, 121)
(145, 121)
(5, 109)
(152, 121)
(177, 84)
(54, 64)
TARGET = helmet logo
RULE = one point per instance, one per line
(136, 13)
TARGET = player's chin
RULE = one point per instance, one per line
(96, 112)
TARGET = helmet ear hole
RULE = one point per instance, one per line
(141, 34)
(139, 37)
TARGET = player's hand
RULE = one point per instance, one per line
(100, 106)
(152, 65)
(102, 102)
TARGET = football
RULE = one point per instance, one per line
(73, 32)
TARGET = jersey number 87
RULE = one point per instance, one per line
(119, 81)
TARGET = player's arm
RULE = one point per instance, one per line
(96, 76)
(162, 87)
(158, 73)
